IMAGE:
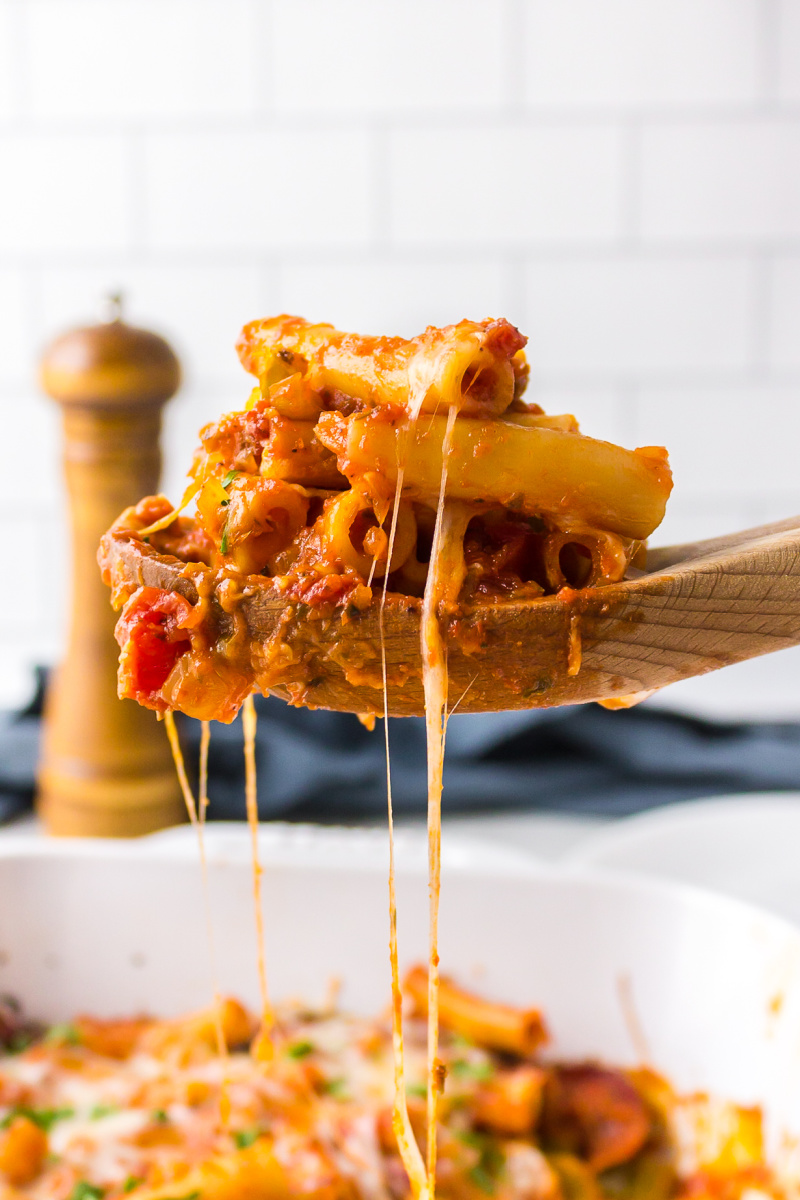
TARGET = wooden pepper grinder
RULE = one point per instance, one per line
(106, 768)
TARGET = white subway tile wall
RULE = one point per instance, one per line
(505, 185)
(721, 182)
(619, 177)
(133, 59)
(390, 57)
(641, 53)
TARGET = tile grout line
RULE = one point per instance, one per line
(20, 62)
(514, 55)
(263, 18)
(768, 66)
(761, 313)
(380, 136)
(137, 196)
(517, 117)
(631, 184)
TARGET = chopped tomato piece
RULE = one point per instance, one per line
(23, 1148)
(153, 634)
(596, 1114)
(114, 1038)
(321, 589)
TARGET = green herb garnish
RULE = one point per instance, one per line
(84, 1190)
(300, 1049)
(223, 545)
(19, 1042)
(470, 1138)
(542, 685)
(245, 1137)
(131, 1182)
(490, 1161)
(45, 1118)
(229, 478)
(161, 1116)
(462, 1068)
(482, 1179)
(63, 1033)
(336, 1088)
(417, 1089)
(102, 1110)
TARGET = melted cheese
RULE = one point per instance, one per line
(422, 1175)
(434, 681)
(197, 816)
(401, 1123)
(249, 724)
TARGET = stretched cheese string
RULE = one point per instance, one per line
(422, 1176)
(180, 767)
(165, 521)
(401, 1123)
(197, 818)
(249, 723)
(434, 682)
(202, 799)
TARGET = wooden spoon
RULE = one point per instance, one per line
(699, 607)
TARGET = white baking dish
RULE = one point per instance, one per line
(118, 927)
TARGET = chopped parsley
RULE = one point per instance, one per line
(482, 1179)
(470, 1138)
(161, 1116)
(102, 1110)
(481, 1072)
(419, 1090)
(542, 685)
(484, 1173)
(229, 478)
(19, 1042)
(45, 1118)
(223, 546)
(300, 1049)
(336, 1088)
(245, 1137)
(84, 1190)
(131, 1182)
(63, 1033)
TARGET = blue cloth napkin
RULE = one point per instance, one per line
(325, 766)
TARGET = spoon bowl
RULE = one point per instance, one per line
(697, 608)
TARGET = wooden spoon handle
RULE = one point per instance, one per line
(726, 600)
(666, 556)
